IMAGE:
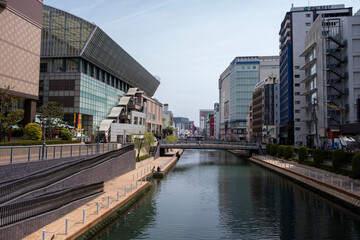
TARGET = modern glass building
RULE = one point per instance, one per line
(236, 86)
(84, 69)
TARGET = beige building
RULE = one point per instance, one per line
(153, 116)
(20, 39)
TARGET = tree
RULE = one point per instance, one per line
(32, 131)
(53, 112)
(171, 139)
(65, 134)
(149, 140)
(8, 116)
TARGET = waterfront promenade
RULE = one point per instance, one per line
(341, 189)
(117, 193)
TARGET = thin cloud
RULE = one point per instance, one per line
(136, 14)
(88, 7)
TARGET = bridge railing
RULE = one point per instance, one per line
(19, 154)
(189, 142)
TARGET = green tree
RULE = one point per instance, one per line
(289, 150)
(32, 131)
(318, 156)
(53, 112)
(149, 140)
(303, 154)
(171, 138)
(65, 134)
(8, 116)
(338, 158)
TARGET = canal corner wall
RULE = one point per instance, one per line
(169, 166)
(96, 226)
(341, 197)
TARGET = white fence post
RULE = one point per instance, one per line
(44, 235)
(108, 205)
(352, 187)
(66, 225)
(97, 207)
(84, 215)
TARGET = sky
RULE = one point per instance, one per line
(189, 43)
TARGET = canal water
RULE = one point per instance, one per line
(213, 194)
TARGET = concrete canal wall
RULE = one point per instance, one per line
(340, 196)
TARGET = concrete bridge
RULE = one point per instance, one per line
(248, 147)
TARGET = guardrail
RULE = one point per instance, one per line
(209, 145)
(16, 212)
(334, 180)
(16, 188)
(18, 154)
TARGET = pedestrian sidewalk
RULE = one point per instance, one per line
(116, 193)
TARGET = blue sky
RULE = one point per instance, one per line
(188, 44)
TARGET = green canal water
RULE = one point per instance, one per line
(213, 194)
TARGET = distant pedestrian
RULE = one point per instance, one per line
(158, 168)
(153, 170)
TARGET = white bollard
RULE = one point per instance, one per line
(125, 191)
(84, 215)
(131, 187)
(316, 175)
(331, 180)
(352, 187)
(108, 202)
(66, 225)
(340, 183)
(44, 235)
(97, 207)
(323, 177)
(118, 195)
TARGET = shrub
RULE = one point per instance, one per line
(338, 158)
(296, 149)
(273, 149)
(349, 156)
(289, 150)
(32, 131)
(280, 151)
(268, 146)
(65, 134)
(328, 154)
(318, 156)
(303, 154)
(356, 165)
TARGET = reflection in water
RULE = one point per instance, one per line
(216, 195)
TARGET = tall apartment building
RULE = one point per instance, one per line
(332, 76)
(85, 70)
(20, 35)
(292, 33)
(236, 85)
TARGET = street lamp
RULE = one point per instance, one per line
(44, 144)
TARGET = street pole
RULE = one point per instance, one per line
(44, 144)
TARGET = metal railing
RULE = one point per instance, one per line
(338, 182)
(209, 144)
(20, 154)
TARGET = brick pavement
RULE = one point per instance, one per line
(112, 189)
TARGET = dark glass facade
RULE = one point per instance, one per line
(84, 69)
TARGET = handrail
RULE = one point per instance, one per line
(21, 186)
(19, 211)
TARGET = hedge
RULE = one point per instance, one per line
(32, 142)
(318, 156)
(289, 150)
(280, 151)
(268, 146)
(338, 159)
(356, 165)
(303, 154)
(273, 150)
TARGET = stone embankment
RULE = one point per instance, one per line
(119, 194)
(340, 189)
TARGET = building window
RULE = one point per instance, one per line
(297, 67)
(154, 117)
(297, 129)
(297, 102)
(297, 119)
(43, 67)
(297, 111)
(308, 15)
(297, 93)
(297, 84)
(135, 120)
(149, 116)
(308, 24)
(297, 76)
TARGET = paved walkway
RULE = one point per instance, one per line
(335, 181)
(114, 193)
